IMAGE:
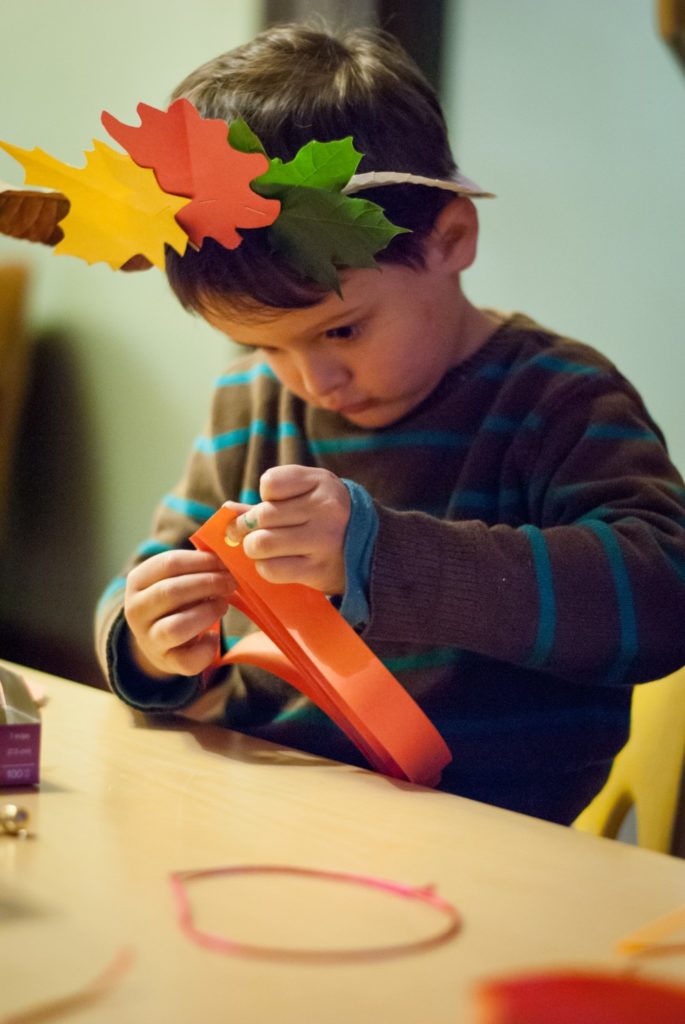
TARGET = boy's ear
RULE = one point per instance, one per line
(453, 240)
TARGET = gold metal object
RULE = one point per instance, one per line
(14, 821)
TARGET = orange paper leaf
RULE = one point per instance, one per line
(191, 156)
(117, 209)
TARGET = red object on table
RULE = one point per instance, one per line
(579, 997)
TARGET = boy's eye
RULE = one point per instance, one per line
(343, 333)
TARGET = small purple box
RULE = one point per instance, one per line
(19, 732)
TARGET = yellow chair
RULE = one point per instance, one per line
(14, 367)
(647, 773)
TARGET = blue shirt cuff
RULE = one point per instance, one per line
(360, 540)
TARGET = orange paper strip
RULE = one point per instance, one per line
(305, 641)
(651, 938)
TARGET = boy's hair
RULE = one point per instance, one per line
(294, 83)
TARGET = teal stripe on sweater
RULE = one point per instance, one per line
(193, 509)
(421, 438)
(249, 497)
(301, 713)
(544, 638)
(557, 365)
(628, 641)
(405, 439)
(228, 380)
(617, 432)
(509, 425)
(677, 489)
(493, 371)
(434, 658)
(484, 499)
(112, 588)
(606, 512)
(678, 562)
(241, 435)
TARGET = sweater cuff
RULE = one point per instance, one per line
(138, 689)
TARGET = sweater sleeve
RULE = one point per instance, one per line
(202, 488)
(590, 586)
(178, 515)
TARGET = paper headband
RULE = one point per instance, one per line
(184, 178)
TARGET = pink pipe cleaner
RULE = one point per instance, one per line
(223, 944)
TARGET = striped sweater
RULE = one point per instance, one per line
(529, 567)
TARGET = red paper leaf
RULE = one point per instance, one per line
(191, 156)
(579, 997)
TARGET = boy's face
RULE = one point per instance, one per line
(375, 354)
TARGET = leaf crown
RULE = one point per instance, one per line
(184, 178)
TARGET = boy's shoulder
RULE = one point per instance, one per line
(529, 364)
(247, 369)
(525, 354)
(529, 344)
(246, 393)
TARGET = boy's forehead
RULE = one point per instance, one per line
(253, 322)
(256, 326)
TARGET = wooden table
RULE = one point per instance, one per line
(124, 801)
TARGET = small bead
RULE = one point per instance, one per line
(14, 820)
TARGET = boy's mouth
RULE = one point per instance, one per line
(356, 407)
(345, 408)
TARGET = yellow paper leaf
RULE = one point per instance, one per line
(117, 209)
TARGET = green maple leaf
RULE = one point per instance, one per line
(321, 165)
(318, 231)
(242, 138)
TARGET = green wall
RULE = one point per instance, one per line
(574, 114)
(122, 374)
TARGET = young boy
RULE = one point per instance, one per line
(490, 504)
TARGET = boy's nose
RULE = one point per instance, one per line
(321, 376)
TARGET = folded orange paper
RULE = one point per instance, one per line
(305, 641)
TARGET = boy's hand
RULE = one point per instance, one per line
(171, 600)
(297, 532)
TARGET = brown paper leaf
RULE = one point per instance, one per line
(34, 216)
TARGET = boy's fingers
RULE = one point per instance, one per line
(298, 540)
(147, 603)
(173, 563)
(250, 520)
(235, 531)
(184, 627)
(184, 591)
(267, 515)
(282, 482)
(290, 569)
(194, 657)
